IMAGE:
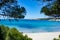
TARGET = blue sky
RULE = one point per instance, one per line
(33, 9)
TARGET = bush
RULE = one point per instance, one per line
(7, 33)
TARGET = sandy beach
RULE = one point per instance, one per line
(43, 35)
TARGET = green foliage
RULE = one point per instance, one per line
(11, 9)
(57, 38)
(52, 8)
(3, 32)
(11, 34)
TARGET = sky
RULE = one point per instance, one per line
(33, 9)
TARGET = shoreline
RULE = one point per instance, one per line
(43, 35)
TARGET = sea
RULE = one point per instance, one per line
(32, 26)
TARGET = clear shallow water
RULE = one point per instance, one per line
(33, 25)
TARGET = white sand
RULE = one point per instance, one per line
(43, 36)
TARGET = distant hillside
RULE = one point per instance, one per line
(46, 18)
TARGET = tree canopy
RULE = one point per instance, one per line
(52, 8)
(11, 9)
(7, 33)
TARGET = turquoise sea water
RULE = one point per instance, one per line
(25, 25)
